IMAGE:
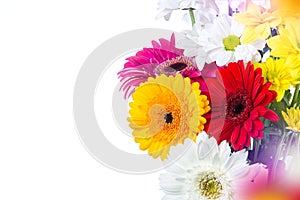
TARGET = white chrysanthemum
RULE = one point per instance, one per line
(192, 45)
(166, 7)
(210, 171)
(221, 41)
(204, 9)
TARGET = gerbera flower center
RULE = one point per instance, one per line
(230, 42)
(238, 107)
(210, 186)
(168, 118)
(171, 67)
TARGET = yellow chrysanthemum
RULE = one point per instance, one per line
(258, 23)
(278, 73)
(165, 111)
(287, 44)
(292, 118)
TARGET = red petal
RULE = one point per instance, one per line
(258, 124)
(271, 115)
(235, 138)
(249, 80)
(248, 125)
(242, 140)
(254, 114)
(258, 100)
(226, 132)
(261, 111)
(260, 135)
(247, 143)
(254, 133)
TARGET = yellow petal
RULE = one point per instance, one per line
(249, 35)
(263, 30)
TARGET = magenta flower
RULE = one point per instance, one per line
(162, 58)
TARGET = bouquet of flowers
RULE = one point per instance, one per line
(231, 86)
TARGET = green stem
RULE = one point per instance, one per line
(295, 97)
(191, 11)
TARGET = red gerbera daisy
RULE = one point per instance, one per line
(238, 99)
(162, 58)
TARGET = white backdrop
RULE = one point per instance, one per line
(42, 47)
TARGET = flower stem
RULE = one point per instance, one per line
(191, 11)
(295, 97)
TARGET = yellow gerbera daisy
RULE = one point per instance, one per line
(258, 23)
(278, 73)
(287, 44)
(292, 118)
(165, 111)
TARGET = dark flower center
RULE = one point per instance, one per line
(173, 66)
(239, 106)
(168, 118)
(176, 66)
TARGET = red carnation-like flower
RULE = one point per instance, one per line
(238, 99)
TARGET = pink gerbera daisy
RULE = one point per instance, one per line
(162, 58)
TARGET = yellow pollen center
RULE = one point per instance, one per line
(210, 186)
(230, 42)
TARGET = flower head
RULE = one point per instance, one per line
(287, 44)
(205, 9)
(239, 98)
(278, 73)
(162, 58)
(192, 45)
(165, 111)
(221, 41)
(258, 23)
(208, 171)
(292, 118)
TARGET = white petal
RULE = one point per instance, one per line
(223, 22)
(189, 157)
(174, 185)
(224, 151)
(259, 44)
(200, 61)
(222, 57)
(246, 52)
(237, 28)
(265, 56)
(207, 147)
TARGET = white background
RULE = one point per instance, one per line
(42, 47)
